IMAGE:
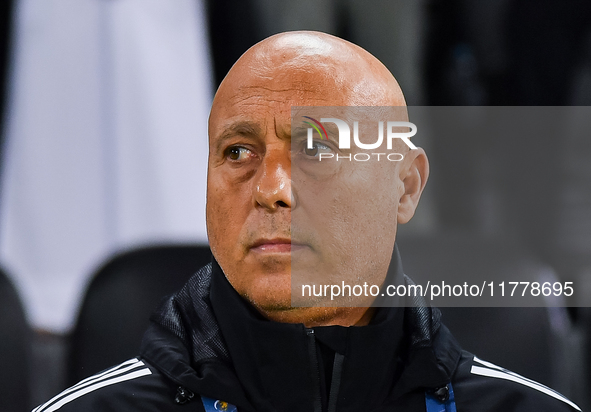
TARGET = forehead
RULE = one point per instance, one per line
(268, 94)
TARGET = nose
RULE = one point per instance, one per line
(272, 188)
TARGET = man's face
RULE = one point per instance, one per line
(259, 219)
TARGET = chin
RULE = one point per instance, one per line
(269, 293)
(310, 317)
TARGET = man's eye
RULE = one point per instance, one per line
(317, 148)
(238, 153)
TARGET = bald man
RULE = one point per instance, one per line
(286, 206)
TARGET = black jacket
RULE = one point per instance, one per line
(207, 341)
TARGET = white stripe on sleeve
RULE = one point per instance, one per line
(117, 370)
(500, 374)
(98, 385)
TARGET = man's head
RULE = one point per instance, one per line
(260, 216)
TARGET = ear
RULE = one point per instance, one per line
(414, 173)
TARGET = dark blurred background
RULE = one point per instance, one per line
(530, 192)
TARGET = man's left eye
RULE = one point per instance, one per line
(237, 153)
(317, 148)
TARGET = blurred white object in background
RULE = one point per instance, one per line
(106, 141)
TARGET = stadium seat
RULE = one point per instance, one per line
(119, 301)
(15, 350)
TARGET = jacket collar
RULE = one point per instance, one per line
(273, 360)
(208, 339)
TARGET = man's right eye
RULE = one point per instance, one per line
(237, 153)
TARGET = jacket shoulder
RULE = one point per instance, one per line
(132, 386)
(482, 386)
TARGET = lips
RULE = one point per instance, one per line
(275, 245)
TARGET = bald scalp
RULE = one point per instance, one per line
(356, 76)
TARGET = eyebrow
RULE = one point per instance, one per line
(242, 128)
(331, 130)
(299, 131)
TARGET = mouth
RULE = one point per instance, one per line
(275, 245)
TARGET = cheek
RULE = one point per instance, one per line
(223, 217)
(370, 196)
(369, 218)
(363, 214)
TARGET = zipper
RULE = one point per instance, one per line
(315, 370)
(335, 381)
